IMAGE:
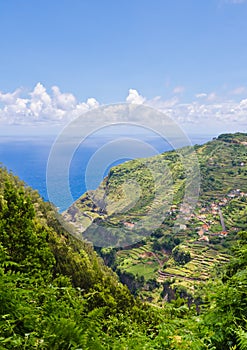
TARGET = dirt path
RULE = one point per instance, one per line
(159, 261)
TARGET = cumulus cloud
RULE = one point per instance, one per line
(40, 106)
(226, 113)
(9, 97)
(64, 101)
(40, 101)
(135, 97)
(92, 103)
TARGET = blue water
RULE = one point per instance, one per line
(28, 157)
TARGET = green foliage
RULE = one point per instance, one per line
(242, 338)
(180, 255)
(56, 293)
(227, 318)
(23, 239)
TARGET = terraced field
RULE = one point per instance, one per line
(205, 237)
(203, 262)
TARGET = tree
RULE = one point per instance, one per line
(180, 255)
(25, 240)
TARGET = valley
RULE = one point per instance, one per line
(181, 285)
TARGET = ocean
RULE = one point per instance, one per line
(28, 159)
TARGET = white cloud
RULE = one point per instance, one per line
(178, 90)
(201, 95)
(157, 102)
(92, 103)
(64, 101)
(40, 106)
(210, 113)
(9, 97)
(56, 107)
(135, 97)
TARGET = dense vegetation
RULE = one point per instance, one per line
(56, 293)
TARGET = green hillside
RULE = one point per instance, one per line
(191, 243)
(57, 293)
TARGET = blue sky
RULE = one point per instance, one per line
(186, 57)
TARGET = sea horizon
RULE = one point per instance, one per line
(27, 156)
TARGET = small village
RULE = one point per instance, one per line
(206, 215)
(215, 209)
